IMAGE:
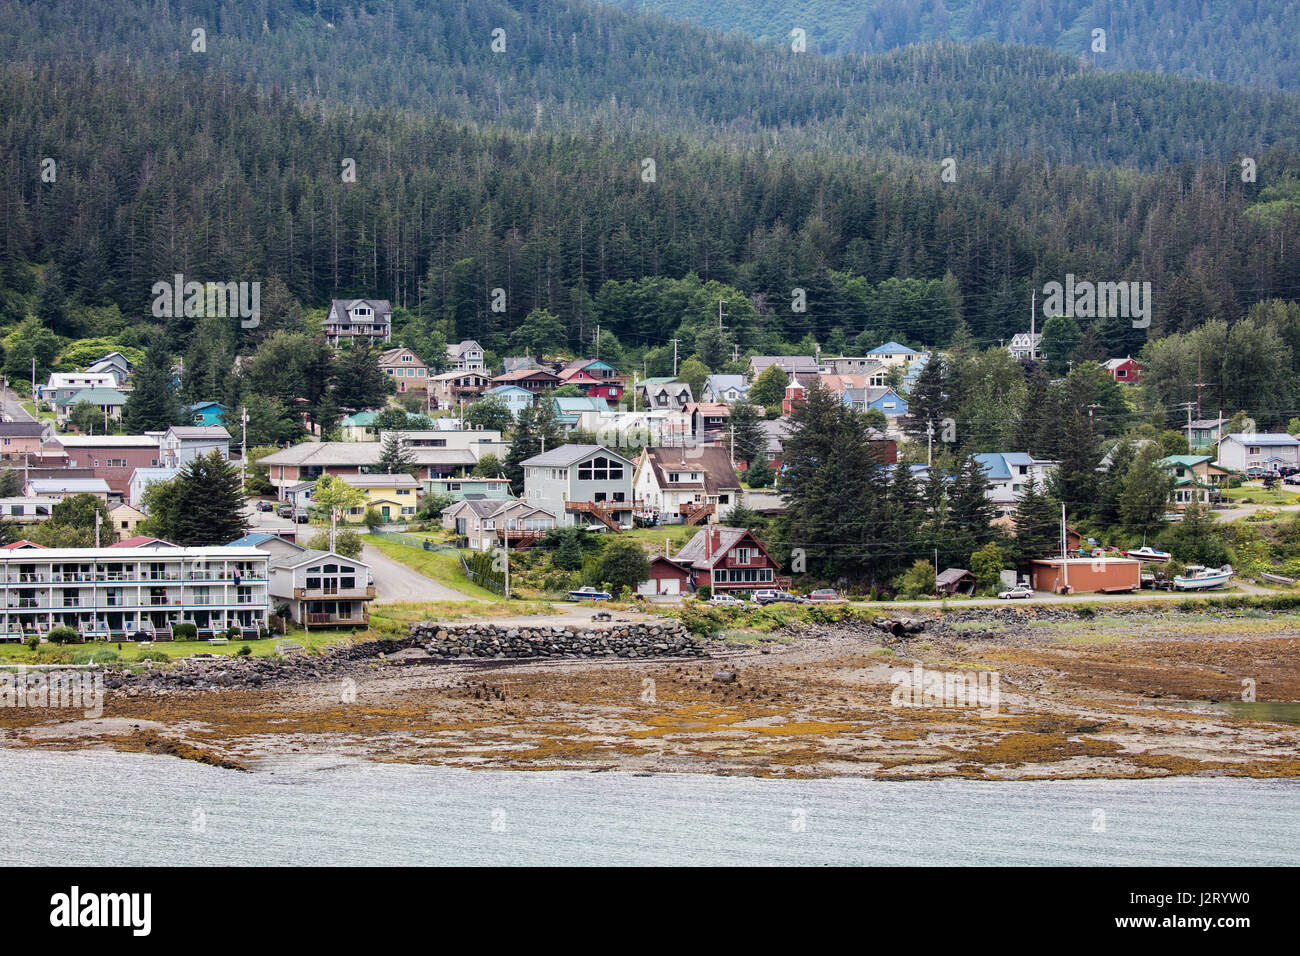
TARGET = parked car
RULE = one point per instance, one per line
(823, 595)
(1292, 479)
(1255, 471)
(284, 511)
(728, 600)
(264, 505)
(1019, 591)
(1286, 470)
(301, 517)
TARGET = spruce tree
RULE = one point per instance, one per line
(747, 433)
(971, 512)
(928, 403)
(153, 404)
(208, 503)
(1038, 524)
(395, 458)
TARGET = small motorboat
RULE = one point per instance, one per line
(589, 594)
(1199, 578)
(1146, 553)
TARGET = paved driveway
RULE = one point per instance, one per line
(396, 582)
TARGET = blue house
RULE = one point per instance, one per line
(515, 397)
(207, 413)
(880, 397)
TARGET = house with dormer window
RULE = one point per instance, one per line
(359, 320)
(466, 356)
(581, 485)
(406, 369)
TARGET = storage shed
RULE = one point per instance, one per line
(1104, 575)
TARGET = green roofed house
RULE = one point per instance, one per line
(108, 401)
(1196, 478)
(360, 426)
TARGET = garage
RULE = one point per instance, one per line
(1087, 575)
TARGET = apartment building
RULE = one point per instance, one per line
(116, 592)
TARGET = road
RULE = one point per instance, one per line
(12, 408)
(396, 582)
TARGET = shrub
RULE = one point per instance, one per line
(244, 651)
(33, 642)
(63, 635)
(152, 655)
(185, 631)
(704, 592)
(99, 655)
(233, 633)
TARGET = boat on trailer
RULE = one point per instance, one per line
(1199, 578)
(1148, 554)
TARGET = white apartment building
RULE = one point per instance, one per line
(115, 592)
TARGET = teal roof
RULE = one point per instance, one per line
(893, 347)
(98, 396)
(1187, 461)
(360, 419)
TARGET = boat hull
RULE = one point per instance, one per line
(1200, 584)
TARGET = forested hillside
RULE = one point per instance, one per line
(570, 65)
(1251, 43)
(201, 177)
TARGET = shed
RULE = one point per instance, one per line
(955, 581)
(1087, 575)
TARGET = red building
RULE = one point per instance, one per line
(611, 391)
(729, 559)
(111, 457)
(666, 577)
(1126, 370)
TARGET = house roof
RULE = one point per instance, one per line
(458, 349)
(891, 347)
(107, 441)
(143, 541)
(951, 576)
(713, 463)
(382, 308)
(508, 390)
(197, 405)
(720, 383)
(401, 480)
(709, 409)
(390, 356)
(199, 432)
(307, 555)
(574, 404)
(92, 485)
(1263, 438)
(22, 429)
(524, 374)
(566, 455)
(360, 419)
(693, 552)
(254, 538)
(790, 363)
(150, 475)
(96, 396)
(1187, 461)
(22, 543)
(1112, 364)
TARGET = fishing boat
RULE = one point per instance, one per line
(589, 594)
(1146, 553)
(1199, 578)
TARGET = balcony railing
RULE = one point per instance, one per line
(318, 594)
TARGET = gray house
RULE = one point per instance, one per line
(359, 320)
(581, 485)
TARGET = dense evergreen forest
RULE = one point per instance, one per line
(570, 65)
(1246, 43)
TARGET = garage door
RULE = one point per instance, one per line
(669, 586)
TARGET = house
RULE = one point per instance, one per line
(535, 380)
(790, 364)
(125, 519)
(359, 320)
(140, 481)
(63, 385)
(581, 485)
(1087, 575)
(776, 430)
(667, 577)
(487, 523)
(516, 398)
(115, 592)
(724, 388)
(111, 457)
(432, 448)
(893, 355)
(1196, 478)
(570, 410)
(1010, 473)
(359, 426)
(513, 363)
(466, 356)
(446, 453)
(609, 390)
(1026, 345)
(60, 488)
(709, 421)
(1270, 451)
(869, 367)
(688, 485)
(1126, 370)
(728, 560)
(954, 581)
(206, 413)
(322, 588)
(469, 487)
(394, 496)
(19, 441)
(181, 444)
(661, 393)
(299, 495)
(107, 403)
(406, 369)
(913, 373)
(25, 509)
(456, 388)
(1204, 432)
(852, 390)
(115, 364)
(272, 544)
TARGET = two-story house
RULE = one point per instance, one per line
(456, 388)
(724, 388)
(406, 369)
(1267, 450)
(893, 355)
(181, 444)
(115, 364)
(111, 457)
(728, 560)
(1196, 478)
(471, 486)
(709, 421)
(1009, 474)
(466, 356)
(1026, 345)
(487, 523)
(107, 403)
(359, 320)
(322, 588)
(1206, 432)
(687, 485)
(394, 496)
(516, 399)
(21, 441)
(536, 380)
(581, 484)
(664, 393)
(63, 385)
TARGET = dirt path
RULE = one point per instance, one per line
(395, 582)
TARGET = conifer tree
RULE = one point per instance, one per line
(153, 404)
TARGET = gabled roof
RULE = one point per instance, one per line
(254, 538)
(96, 396)
(150, 475)
(524, 374)
(20, 544)
(381, 308)
(997, 465)
(390, 356)
(720, 383)
(143, 541)
(360, 419)
(891, 348)
(693, 553)
(197, 405)
(91, 485)
(508, 390)
(306, 556)
(1263, 438)
(199, 432)
(713, 463)
(1186, 461)
(566, 455)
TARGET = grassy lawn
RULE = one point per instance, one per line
(442, 567)
(390, 620)
(654, 538)
(313, 642)
(1262, 496)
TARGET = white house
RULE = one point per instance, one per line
(581, 484)
(728, 389)
(1010, 473)
(322, 588)
(140, 481)
(485, 523)
(1270, 451)
(466, 356)
(690, 485)
(181, 444)
(1026, 345)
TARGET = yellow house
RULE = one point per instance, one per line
(125, 518)
(395, 497)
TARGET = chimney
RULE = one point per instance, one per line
(708, 545)
(717, 539)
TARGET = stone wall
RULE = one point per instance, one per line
(628, 639)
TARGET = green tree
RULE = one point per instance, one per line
(920, 580)
(987, 564)
(79, 511)
(1144, 496)
(623, 564)
(395, 458)
(747, 433)
(541, 331)
(359, 382)
(201, 506)
(1038, 524)
(693, 372)
(769, 388)
(153, 404)
(489, 466)
(332, 494)
(536, 426)
(346, 542)
(971, 513)
(1061, 336)
(87, 419)
(491, 413)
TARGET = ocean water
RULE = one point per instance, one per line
(107, 809)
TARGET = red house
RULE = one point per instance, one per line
(111, 457)
(1126, 370)
(610, 391)
(666, 577)
(728, 559)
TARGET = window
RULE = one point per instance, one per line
(741, 555)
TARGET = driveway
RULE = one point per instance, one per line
(396, 582)
(12, 409)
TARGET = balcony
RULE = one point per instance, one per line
(336, 620)
(331, 594)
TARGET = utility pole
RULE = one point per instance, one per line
(243, 451)
(598, 342)
(1188, 406)
(1065, 559)
(1199, 386)
(674, 359)
(733, 446)
(929, 443)
(720, 325)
